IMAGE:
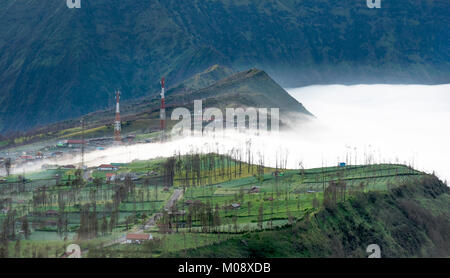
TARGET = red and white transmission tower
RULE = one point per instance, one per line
(117, 124)
(163, 110)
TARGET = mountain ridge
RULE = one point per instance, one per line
(408, 221)
(58, 63)
(250, 88)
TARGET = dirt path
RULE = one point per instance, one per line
(177, 194)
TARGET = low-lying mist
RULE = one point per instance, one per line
(359, 124)
(409, 124)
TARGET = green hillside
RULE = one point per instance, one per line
(412, 220)
(209, 205)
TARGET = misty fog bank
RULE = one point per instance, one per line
(359, 124)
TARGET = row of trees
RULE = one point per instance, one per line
(205, 169)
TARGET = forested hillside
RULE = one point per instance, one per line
(58, 63)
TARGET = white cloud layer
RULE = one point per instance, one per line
(408, 124)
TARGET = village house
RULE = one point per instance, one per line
(26, 157)
(70, 144)
(107, 167)
(137, 238)
(74, 143)
(123, 176)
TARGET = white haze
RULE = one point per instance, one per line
(406, 124)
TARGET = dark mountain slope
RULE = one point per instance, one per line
(251, 88)
(201, 80)
(58, 63)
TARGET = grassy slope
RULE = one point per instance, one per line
(409, 221)
(376, 178)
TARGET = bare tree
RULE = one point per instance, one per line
(8, 166)
(260, 216)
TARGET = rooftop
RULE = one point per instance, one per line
(138, 236)
(106, 166)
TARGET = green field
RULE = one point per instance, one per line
(221, 198)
